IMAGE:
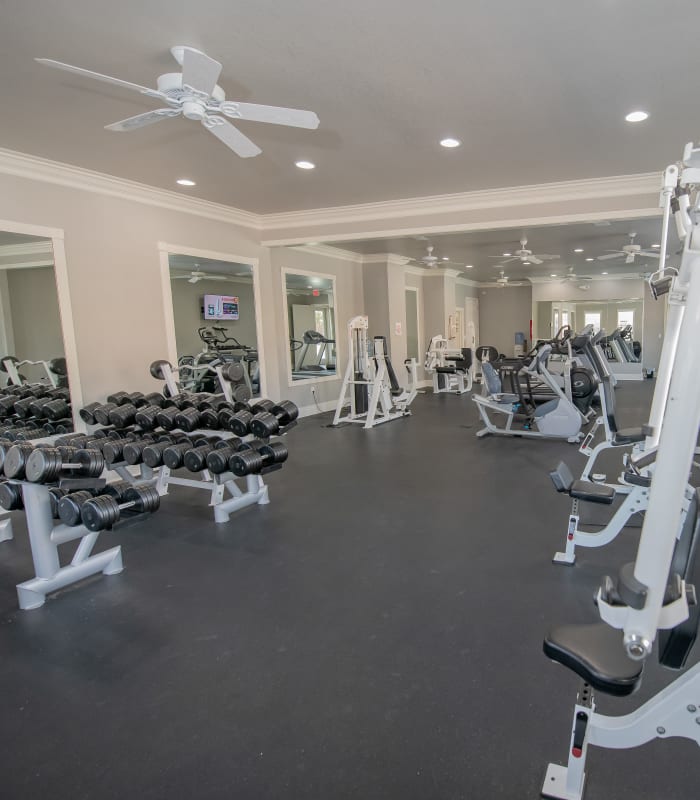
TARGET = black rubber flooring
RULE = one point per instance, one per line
(374, 632)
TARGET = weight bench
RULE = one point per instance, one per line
(588, 491)
(597, 654)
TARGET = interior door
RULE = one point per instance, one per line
(471, 322)
(303, 319)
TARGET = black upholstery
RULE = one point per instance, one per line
(627, 435)
(595, 653)
(592, 492)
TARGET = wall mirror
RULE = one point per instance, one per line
(214, 312)
(311, 325)
(32, 347)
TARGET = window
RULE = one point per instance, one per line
(592, 318)
(625, 318)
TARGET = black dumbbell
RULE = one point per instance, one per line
(102, 412)
(195, 460)
(64, 425)
(103, 511)
(117, 398)
(122, 415)
(16, 459)
(134, 451)
(218, 458)
(70, 506)
(25, 434)
(36, 406)
(57, 409)
(238, 422)
(146, 417)
(187, 420)
(113, 451)
(11, 496)
(87, 413)
(269, 423)
(174, 454)
(250, 462)
(166, 417)
(55, 495)
(45, 465)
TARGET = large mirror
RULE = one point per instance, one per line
(311, 320)
(32, 352)
(215, 323)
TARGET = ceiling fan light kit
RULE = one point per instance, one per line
(195, 94)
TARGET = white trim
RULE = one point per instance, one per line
(28, 264)
(324, 405)
(387, 258)
(25, 249)
(65, 307)
(464, 227)
(419, 333)
(41, 169)
(330, 251)
(164, 248)
(555, 192)
(313, 380)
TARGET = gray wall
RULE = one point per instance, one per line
(502, 313)
(187, 305)
(36, 322)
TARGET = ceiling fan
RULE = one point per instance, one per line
(629, 251)
(572, 276)
(431, 261)
(526, 256)
(502, 281)
(197, 275)
(195, 94)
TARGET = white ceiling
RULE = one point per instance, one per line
(478, 247)
(537, 91)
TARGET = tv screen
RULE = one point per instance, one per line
(217, 306)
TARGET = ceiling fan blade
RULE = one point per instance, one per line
(194, 279)
(648, 253)
(199, 72)
(48, 62)
(607, 257)
(277, 115)
(232, 137)
(141, 120)
(630, 258)
(534, 259)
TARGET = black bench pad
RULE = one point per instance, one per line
(595, 653)
(629, 436)
(592, 492)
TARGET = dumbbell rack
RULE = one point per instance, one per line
(45, 537)
(256, 492)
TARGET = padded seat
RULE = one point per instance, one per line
(446, 370)
(629, 436)
(596, 654)
(592, 492)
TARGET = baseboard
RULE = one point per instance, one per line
(323, 407)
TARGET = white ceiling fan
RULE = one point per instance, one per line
(195, 94)
(503, 280)
(197, 275)
(526, 256)
(431, 261)
(572, 276)
(629, 251)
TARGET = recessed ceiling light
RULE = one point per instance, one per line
(578, 250)
(311, 244)
(445, 258)
(186, 182)
(656, 245)
(305, 164)
(506, 255)
(637, 116)
(468, 266)
(553, 275)
(603, 273)
(590, 259)
(527, 263)
(450, 142)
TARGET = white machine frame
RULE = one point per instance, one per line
(11, 367)
(457, 382)
(674, 423)
(369, 369)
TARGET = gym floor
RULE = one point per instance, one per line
(374, 632)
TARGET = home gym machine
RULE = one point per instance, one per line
(451, 369)
(317, 356)
(228, 376)
(656, 593)
(228, 349)
(54, 370)
(370, 388)
(558, 418)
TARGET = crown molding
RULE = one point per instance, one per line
(434, 205)
(391, 258)
(623, 276)
(46, 262)
(467, 282)
(329, 251)
(41, 169)
(26, 249)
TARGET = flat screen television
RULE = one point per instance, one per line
(221, 307)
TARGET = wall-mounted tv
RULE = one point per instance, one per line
(217, 306)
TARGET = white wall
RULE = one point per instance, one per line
(502, 313)
(36, 322)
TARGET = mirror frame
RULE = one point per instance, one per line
(421, 354)
(285, 311)
(65, 307)
(165, 250)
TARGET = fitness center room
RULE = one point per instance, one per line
(349, 400)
